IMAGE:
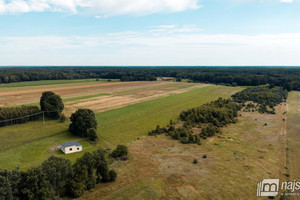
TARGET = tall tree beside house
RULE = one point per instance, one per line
(88, 160)
(34, 186)
(81, 121)
(76, 185)
(9, 181)
(57, 170)
(101, 166)
(52, 104)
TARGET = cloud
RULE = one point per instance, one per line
(105, 7)
(287, 1)
(101, 16)
(262, 1)
(172, 29)
(148, 48)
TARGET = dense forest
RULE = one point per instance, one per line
(57, 177)
(287, 77)
(208, 117)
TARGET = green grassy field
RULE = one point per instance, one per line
(83, 97)
(119, 126)
(123, 125)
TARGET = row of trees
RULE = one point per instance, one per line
(56, 177)
(16, 115)
(208, 117)
(51, 104)
(289, 78)
(265, 96)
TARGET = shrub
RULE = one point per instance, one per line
(121, 150)
(204, 156)
(92, 134)
(184, 140)
(112, 175)
(195, 161)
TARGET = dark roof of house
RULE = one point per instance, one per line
(69, 144)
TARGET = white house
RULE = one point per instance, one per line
(71, 147)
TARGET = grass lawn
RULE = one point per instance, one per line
(29, 144)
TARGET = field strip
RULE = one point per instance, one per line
(293, 135)
(63, 88)
(76, 93)
(105, 103)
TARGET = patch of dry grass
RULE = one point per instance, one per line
(243, 155)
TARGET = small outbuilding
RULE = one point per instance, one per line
(71, 147)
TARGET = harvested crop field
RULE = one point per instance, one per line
(100, 96)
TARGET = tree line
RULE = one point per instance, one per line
(11, 75)
(51, 104)
(286, 77)
(18, 114)
(57, 177)
(208, 117)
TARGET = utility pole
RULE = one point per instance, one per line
(43, 118)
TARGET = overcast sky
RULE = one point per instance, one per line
(150, 32)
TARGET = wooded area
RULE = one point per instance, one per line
(56, 177)
(209, 117)
(265, 98)
(287, 77)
